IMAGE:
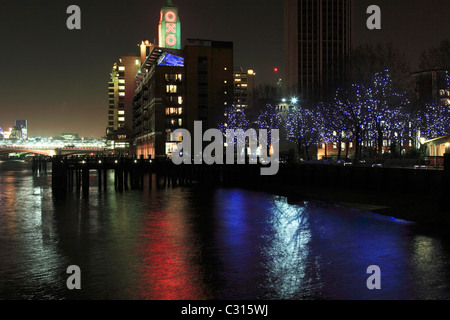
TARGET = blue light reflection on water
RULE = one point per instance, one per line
(206, 243)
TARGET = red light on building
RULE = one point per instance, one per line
(275, 69)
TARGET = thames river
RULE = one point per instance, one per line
(202, 243)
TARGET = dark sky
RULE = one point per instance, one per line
(57, 79)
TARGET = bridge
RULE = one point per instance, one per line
(51, 149)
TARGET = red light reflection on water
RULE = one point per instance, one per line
(169, 269)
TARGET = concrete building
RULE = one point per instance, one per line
(317, 45)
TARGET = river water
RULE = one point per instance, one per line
(205, 243)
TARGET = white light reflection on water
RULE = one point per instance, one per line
(287, 250)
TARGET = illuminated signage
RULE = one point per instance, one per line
(170, 28)
(170, 60)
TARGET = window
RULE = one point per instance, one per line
(121, 68)
(121, 112)
(121, 94)
(180, 100)
(121, 87)
(122, 81)
(121, 119)
(170, 88)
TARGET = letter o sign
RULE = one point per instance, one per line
(170, 16)
(171, 40)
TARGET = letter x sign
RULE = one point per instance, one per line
(170, 28)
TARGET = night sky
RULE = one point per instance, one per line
(57, 78)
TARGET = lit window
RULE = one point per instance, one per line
(121, 87)
(121, 119)
(225, 69)
(225, 81)
(121, 94)
(180, 122)
(137, 62)
(121, 68)
(122, 81)
(170, 88)
(121, 112)
(180, 100)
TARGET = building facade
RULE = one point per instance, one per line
(159, 107)
(433, 87)
(209, 81)
(317, 46)
(178, 87)
(121, 89)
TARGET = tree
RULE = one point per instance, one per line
(436, 58)
(384, 108)
(434, 121)
(350, 105)
(234, 118)
(268, 119)
(367, 60)
(303, 128)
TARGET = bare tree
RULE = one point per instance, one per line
(367, 60)
(436, 58)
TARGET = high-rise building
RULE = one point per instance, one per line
(317, 46)
(209, 81)
(121, 89)
(177, 87)
(243, 89)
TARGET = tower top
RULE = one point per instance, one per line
(169, 28)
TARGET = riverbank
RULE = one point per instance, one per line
(421, 198)
(407, 194)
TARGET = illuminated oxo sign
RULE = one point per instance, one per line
(169, 28)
